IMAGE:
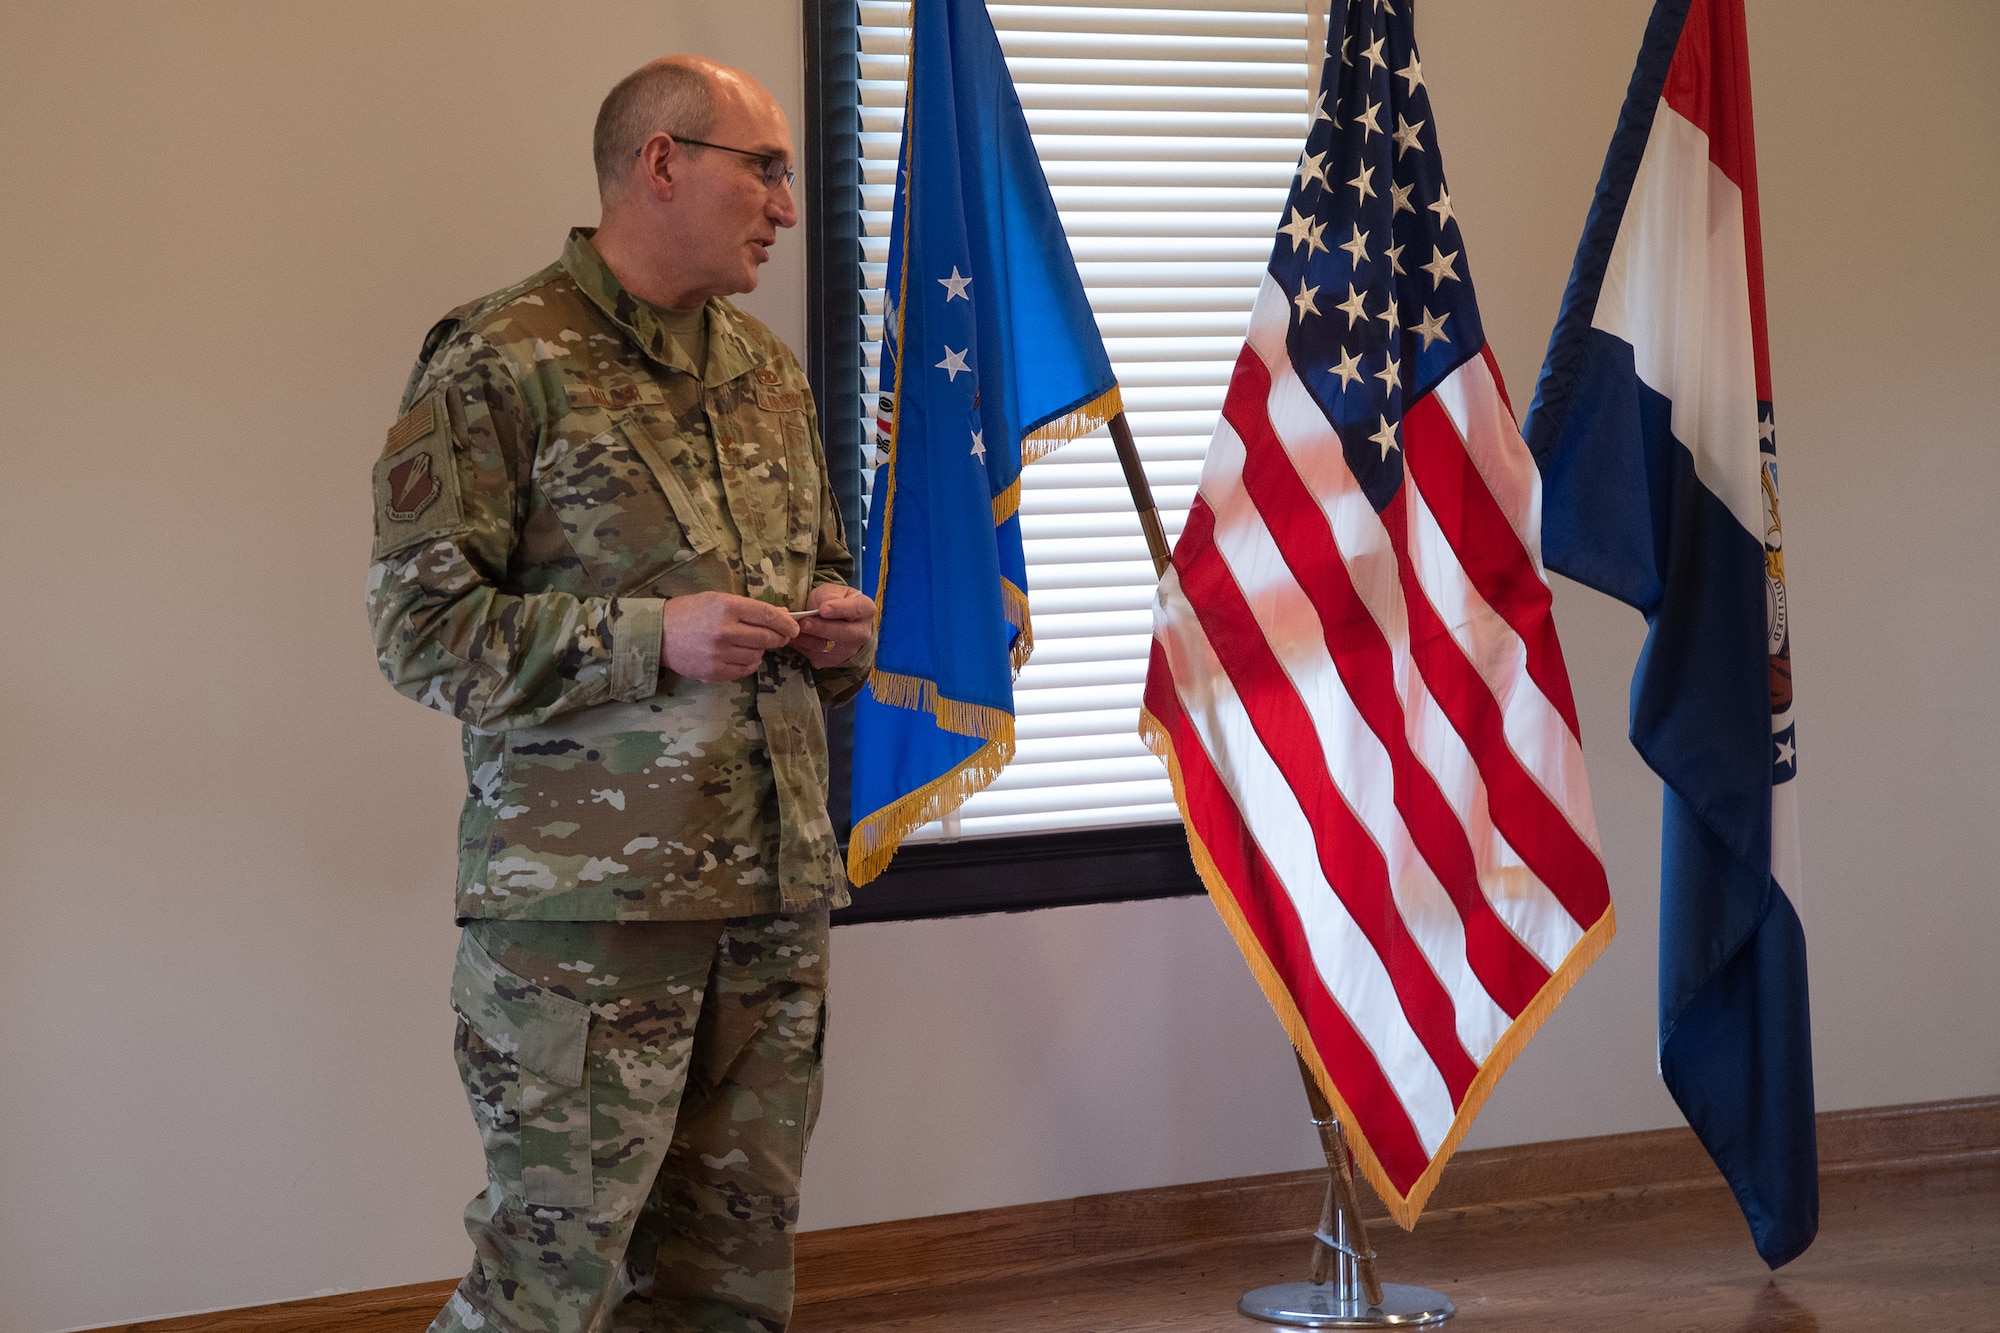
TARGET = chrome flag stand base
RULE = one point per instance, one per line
(1344, 1292)
(1303, 1305)
(1340, 1303)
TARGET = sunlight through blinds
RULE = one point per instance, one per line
(1169, 131)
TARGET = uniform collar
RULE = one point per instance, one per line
(730, 354)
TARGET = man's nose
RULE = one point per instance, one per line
(782, 208)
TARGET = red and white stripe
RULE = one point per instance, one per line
(1375, 747)
(1685, 287)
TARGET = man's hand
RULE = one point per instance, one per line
(845, 623)
(717, 636)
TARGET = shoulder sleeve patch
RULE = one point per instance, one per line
(420, 421)
(416, 482)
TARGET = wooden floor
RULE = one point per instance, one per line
(1628, 1232)
(1898, 1249)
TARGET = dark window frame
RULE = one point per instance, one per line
(933, 879)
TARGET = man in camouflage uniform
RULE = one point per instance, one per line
(596, 520)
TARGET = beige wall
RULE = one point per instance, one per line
(224, 229)
(225, 845)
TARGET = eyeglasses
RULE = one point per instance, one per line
(769, 166)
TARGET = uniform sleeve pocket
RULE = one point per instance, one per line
(416, 480)
(522, 1054)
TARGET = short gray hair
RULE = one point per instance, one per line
(651, 99)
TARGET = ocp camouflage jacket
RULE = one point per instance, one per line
(558, 470)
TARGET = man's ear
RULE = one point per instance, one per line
(658, 169)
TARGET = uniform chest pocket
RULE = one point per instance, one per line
(626, 519)
(802, 467)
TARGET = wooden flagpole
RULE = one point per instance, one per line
(1142, 493)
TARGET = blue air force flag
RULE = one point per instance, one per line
(1653, 430)
(990, 360)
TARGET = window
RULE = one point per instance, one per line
(1169, 130)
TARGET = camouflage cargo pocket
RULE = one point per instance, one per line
(521, 1052)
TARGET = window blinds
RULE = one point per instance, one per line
(1169, 130)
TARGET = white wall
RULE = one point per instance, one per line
(225, 846)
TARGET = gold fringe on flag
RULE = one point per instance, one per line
(902, 293)
(1014, 604)
(1074, 424)
(1403, 1208)
(921, 696)
(1005, 503)
(875, 839)
(1036, 445)
(1050, 436)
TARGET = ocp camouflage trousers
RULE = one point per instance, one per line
(645, 1091)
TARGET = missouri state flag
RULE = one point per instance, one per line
(1355, 676)
(991, 359)
(1653, 430)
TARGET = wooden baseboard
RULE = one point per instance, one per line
(937, 1251)
(997, 1242)
(407, 1309)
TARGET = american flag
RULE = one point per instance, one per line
(1355, 677)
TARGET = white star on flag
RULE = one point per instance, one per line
(953, 361)
(1391, 375)
(1353, 307)
(1386, 437)
(954, 286)
(1299, 229)
(1304, 301)
(1431, 328)
(1312, 167)
(1406, 136)
(979, 445)
(1349, 368)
